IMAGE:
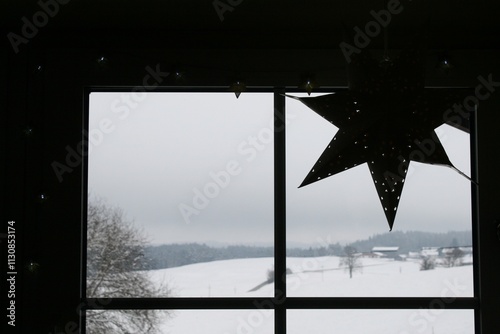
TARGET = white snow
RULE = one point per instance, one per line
(321, 277)
(385, 249)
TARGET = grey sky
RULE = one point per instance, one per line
(199, 168)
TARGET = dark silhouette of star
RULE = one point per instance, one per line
(386, 119)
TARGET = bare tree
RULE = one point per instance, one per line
(116, 268)
(453, 257)
(270, 274)
(427, 263)
(351, 261)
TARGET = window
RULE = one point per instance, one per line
(211, 175)
(344, 208)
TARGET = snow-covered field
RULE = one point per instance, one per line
(321, 277)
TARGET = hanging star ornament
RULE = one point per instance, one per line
(386, 119)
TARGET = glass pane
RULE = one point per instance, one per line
(435, 320)
(192, 173)
(432, 229)
(181, 321)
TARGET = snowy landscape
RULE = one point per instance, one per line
(321, 277)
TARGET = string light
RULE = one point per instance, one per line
(385, 62)
(237, 87)
(444, 62)
(308, 83)
(102, 61)
(28, 130)
(38, 69)
(32, 266)
(42, 197)
(178, 75)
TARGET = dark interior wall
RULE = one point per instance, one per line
(50, 103)
(489, 199)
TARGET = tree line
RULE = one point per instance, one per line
(413, 241)
(175, 255)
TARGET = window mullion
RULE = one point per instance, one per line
(279, 212)
(475, 216)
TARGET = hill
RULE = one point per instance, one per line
(320, 277)
(175, 255)
(413, 241)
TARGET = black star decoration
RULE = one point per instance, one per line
(386, 118)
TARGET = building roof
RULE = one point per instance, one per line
(385, 249)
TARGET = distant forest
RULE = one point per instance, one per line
(175, 255)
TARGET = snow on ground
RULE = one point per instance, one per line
(321, 277)
(227, 278)
(376, 278)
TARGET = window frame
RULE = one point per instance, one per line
(280, 303)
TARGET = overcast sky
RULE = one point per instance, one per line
(198, 167)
